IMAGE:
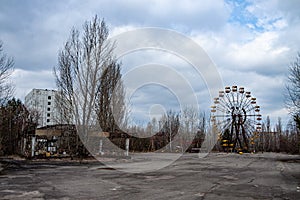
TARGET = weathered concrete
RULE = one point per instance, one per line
(217, 176)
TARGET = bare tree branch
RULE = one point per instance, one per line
(293, 87)
(6, 69)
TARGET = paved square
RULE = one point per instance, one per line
(217, 176)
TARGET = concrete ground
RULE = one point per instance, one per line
(217, 176)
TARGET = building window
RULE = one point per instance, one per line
(49, 103)
(49, 97)
(48, 114)
(48, 109)
(48, 120)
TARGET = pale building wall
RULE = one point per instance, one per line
(43, 100)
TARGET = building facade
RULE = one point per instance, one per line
(43, 102)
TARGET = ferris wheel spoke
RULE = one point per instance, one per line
(224, 103)
(247, 99)
(249, 123)
(251, 120)
(250, 108)
(243, 100)
(253, 115)
(222, 109)
(227, 126)
(222, 122)
(233, 99)
(222, 115)
(254, 108)
(246, 102)
(228, 98)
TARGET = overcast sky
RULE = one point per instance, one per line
(252, 43)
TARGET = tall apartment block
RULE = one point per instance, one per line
(43, 101)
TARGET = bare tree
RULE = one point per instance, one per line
(15, 122)
(189, 118)
(80, 66)
(277, 134)
(6, 68)
(171, 125)
(293, 98)
(110, 100)
(293, 87)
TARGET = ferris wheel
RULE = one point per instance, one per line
(235, 115)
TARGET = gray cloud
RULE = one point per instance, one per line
(34, 31)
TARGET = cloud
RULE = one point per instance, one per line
(260, 54)
(182, 15)
(150, 95)
(26, 80)
(251, 42)
(147, 68)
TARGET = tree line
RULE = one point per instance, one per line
(16, 123)
(92, 96)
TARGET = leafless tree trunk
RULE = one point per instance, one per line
(6, 68)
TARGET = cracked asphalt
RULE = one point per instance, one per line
(217, 176)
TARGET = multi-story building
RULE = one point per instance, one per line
(43, 101)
